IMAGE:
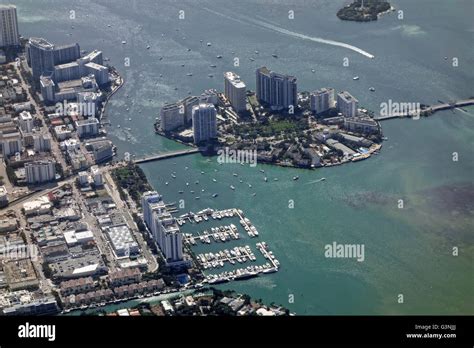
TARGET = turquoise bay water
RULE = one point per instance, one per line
(407, 251)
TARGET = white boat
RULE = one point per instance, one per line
(355, 78)
(209, 44)
(124, 42)
(372, 89)
(232, 187)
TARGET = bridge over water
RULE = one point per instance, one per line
(428, 110)
(162, 156)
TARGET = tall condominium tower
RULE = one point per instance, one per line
(9, 35)
(322, 100)
(277, 90)
(204, 122)
(347, 105)
(234, 90)
(40, 56)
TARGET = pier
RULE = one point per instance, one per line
(428, 110)
(167, 155)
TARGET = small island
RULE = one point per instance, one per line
(364, 10)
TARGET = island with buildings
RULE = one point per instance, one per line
(284, 127)
(364, 10)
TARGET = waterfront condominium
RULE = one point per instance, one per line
(204, 122)
(9, 35)
(322, 100)
(234, 90)
(163, 227)
(277, 90)
(150, 203)
(347, 105)
(172, 116)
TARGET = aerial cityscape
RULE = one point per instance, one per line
(273, 158)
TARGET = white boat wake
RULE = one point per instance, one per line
(284, 31)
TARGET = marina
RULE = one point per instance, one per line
(236, 262)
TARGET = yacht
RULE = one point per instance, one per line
(296, 177)
(219, 56)
(232, 187)
(313, 71)
(148, 47)
(173, 176)
(124, 42)
(209, 44)
(250, 185)
(266, 179)
(215, 195)
(181, 192)
(234, 174)
(355, 78)
(372, 89)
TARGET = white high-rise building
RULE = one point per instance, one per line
(235, 91)
(88, 127)
(26, 121)
(97, 176)
(204, 122)
(322, 100)
(347, 105)
(171, 239)
(9, 35)
(151, 202)
(163, 226)
(40, 171)
(172, 116)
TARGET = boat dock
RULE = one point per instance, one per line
(218, 234)
(240, 254)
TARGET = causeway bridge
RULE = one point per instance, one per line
(162, 156)
(428, 110)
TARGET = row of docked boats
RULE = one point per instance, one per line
(240, 274)
(249, 228)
